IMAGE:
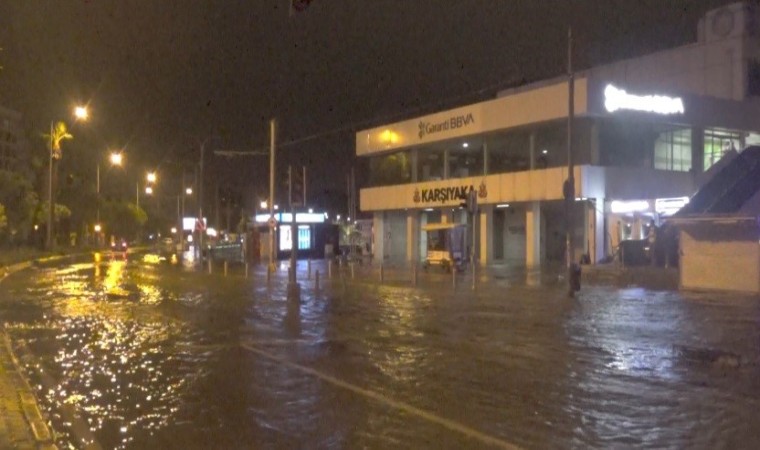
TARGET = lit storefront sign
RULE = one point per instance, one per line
(616, 99)
(628, 206)
(288, 217)
(669, 206)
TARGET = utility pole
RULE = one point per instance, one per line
(573, 270)
(272, 147)
(202, 229)
(292, 280)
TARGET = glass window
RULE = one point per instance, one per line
(718, 143)
(304, 237)
(672, 150)
(465, 162)
(509, 152)
(430, 164)
(551, 145)
(390, 169)
(626, 143)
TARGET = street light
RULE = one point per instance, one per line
(151, 177)
(58, 133)
(116, 159)
(149, 190)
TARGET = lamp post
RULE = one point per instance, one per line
(115, 159)
(58, 133)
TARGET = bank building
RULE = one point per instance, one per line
(646, 133)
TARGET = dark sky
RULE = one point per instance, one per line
(161, 74)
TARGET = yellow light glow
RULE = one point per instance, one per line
(189, 191)
(98, 228)
(149, 190)
(151, 177)
(117, 158)
(389, 137)
(81, 113)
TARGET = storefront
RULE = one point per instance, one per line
(311, 233)
(638, 154)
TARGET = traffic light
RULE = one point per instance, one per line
(470, 202)
(297, 186)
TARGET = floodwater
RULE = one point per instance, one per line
(140, 353)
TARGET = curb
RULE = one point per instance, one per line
(43, 434)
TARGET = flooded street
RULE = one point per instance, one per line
(144, 354)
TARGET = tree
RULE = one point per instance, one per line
(3, 219)
(19, 198)
(60, 132)
(123, 219)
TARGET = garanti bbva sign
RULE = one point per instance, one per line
(452, 123)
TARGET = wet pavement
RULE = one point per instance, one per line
(140, 353)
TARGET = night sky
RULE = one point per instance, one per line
(160, 75)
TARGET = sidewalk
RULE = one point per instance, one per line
(22, 426)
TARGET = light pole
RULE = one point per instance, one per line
(116, 159)
(58, 133)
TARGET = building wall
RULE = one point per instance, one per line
(720, 258)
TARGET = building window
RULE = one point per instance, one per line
(466, 162)
(509, 152)
(390, 169)
(430, 164)
(672, 150)
(718, 143)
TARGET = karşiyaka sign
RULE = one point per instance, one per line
(447, 194)
(451, 123)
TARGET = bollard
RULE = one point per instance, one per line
(454, 278)
(474, 277)
(414, 274)
(353, 275)
(382, 273)
(316, 280)
(329, 269)
(308, 269)
(225, 268)
(246, 269)
(209, 266)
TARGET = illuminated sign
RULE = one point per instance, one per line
(668, 206)
(288, 217)
(616, 99)
(188, 223)
(620, 206)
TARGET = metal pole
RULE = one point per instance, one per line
(181, 228)
(49, 239)
(200, 206)
(293, 230)
(137, 194)
(570, 183)
(272, 147)
(97, 196)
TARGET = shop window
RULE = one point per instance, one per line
(672, 150)
(390, 169)
(718, 143)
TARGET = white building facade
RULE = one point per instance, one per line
(644, 133)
